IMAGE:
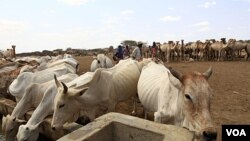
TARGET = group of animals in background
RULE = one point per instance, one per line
(51, 86)
(209, 50)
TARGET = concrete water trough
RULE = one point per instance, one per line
(119, 127)
(109, 127)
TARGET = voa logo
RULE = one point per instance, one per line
(236, 132)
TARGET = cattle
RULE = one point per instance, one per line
(31, 98)
(9, 67)
(8, 72)
(182, 100)
(36, 59)
(55, 58)
(71, 61)
(30, 131)
(45, 62)
(99, 95)
(67, 56)
(100, 61)
(23, 80)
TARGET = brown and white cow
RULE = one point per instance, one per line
(182, 100)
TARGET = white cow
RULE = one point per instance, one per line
(67, 56)
(71, 61)
(9, 67)
(30, 131)
(43, 63)
(101, 61)
(31, 98)
(23, 80)
(98, 96)
(29, 59)
(182, 100)
(44, 59)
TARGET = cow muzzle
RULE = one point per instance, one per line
(56, 128)
(53, 128)
(210, 134)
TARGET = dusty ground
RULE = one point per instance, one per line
(230, 82)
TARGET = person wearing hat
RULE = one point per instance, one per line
(136, 54)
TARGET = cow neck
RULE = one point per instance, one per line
(22, 107)
(179, 105)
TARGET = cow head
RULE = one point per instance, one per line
(66, 105)
(10, 126)
(195, 104)
(101, 60)
(28, 132)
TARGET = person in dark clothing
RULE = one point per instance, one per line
(154, 50)
(119, 54)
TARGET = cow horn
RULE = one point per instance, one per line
(208, 73)
(56, 81)
(176, 74)
(77, 67)
(65, 88)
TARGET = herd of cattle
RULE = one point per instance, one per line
(209, 50)
(51, 86)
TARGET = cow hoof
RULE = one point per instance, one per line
(133, 113)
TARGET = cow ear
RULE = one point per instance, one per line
(208, 73)
(33, 127)
(94, 56)
(58, 84)
(83, 91)
(80, 92)
(4, 118)
(4, 122)
(21, 121)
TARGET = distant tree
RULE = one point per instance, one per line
(130, 42)
(68, 49)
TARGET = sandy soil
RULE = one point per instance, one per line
(230, 82)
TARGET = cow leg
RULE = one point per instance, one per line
(162, 117)
(145, 113)
(157, 117)
(134, 108)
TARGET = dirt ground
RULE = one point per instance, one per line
(231, 84)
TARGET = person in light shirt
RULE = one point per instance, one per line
(136, 54)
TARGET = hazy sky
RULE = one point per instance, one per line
(36, 25)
